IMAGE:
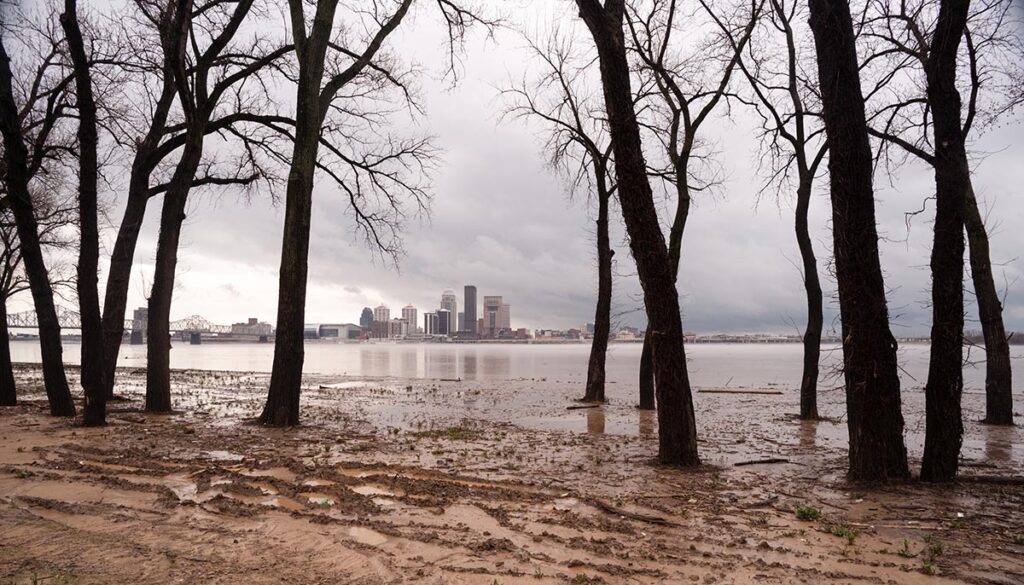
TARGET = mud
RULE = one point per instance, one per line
(423, 481)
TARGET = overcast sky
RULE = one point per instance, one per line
(501, 220)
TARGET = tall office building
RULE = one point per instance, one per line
(469, 309)
(366, 319)
(410, 316)
(430, 323)
(382, 314)
(461, 322)
(444, 322)
(497, 316)
(450, 303)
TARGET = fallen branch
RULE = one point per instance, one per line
(708, 391)
(761, 461)
(627, 514)
(578, 407)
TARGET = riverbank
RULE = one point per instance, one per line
(429, 481)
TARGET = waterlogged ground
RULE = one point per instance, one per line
(430, 481)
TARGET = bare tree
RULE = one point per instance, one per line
(677, 433)
(577, 144)
(874, 419)
(32, 124)
(792, 138)
(989, 66)
(210, 73)
(684, 97)
(93, 359)
(332, 75)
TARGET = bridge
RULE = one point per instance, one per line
(68, 319)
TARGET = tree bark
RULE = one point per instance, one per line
(874, 420)
(677, 435)
(602, 316)
(16, 159)
(172, 215)
(282, 406)
(998, 371)
(8, 389)
(943, 420)
(93, 366)
(815, 318)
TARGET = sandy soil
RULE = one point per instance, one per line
(427, 481)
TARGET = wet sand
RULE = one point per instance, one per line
(426, 481)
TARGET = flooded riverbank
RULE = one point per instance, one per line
(428, 481)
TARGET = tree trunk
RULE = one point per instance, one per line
(677, 436)
(815, 319)
(8, 389)
(115, 301)
(998, 374)
(647, 401)
(602, 316)
(874, 419)
(172, 215)
(943, 421)
(16, 159)
(282, 407)
(93, 366)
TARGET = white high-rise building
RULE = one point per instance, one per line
(411, 317)
(450, 303)
(382, 314)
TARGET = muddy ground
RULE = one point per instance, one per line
(431, 481)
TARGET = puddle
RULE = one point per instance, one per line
(285, 503)
(318, 482)
(318, 499)
(266, 488)
(221, 456)
(566, 503)
(375, 489)
(366, 536)
(281, 473)
(110, 466)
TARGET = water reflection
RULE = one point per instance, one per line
(496, 365)
(808, 434)
(595, 421)
(648, 422)
(998, 442)
(469, 365)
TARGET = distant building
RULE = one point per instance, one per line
(366, 319)
(497, 317)
(450, 303)
(382, 314)
(341, 331)
(381, 330)
(410, 316)
(444, 322)
(311, 331)
(469, 309)
(461, 322)
(430, 323)
(252, 327)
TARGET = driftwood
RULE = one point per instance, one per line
(761, 462)
(605, 507)
(710, 391)
(579, 406)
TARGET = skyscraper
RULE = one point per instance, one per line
(410, 316)
(444, 322)
(430, 323)
(497, 316)
(366, 319)
(382, 314)
(469, 308)
(450, 303)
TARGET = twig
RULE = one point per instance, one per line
(761, 461)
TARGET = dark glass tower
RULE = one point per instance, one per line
(469, 309)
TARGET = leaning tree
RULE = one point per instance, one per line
(560, 98)
(31, 109)
(688, 82)
(677, 432)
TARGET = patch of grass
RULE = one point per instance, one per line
(1018, 539)
(581, 578)
(905, 552)
(936, 549)
(807, 513)
(928, 568)
(844, 531)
